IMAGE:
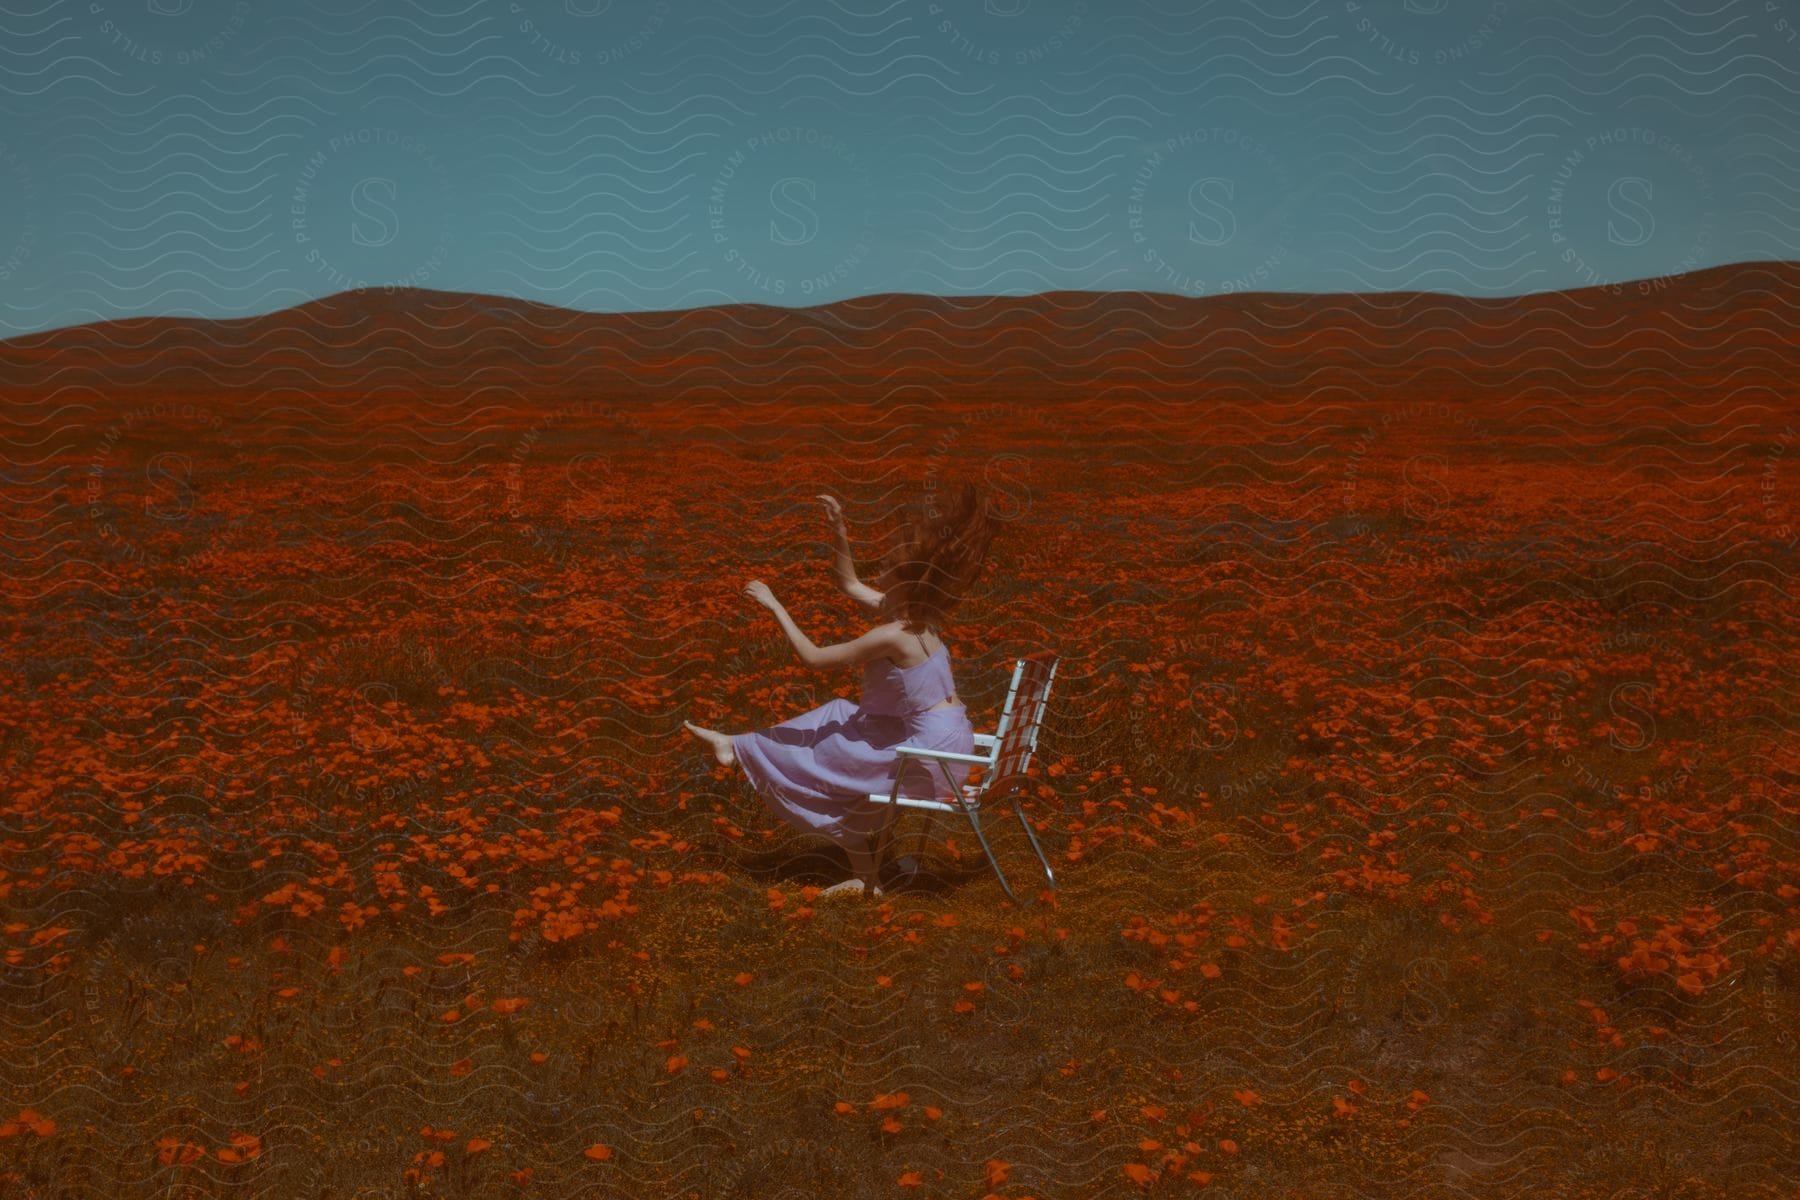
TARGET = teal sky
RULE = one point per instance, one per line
(215, 158)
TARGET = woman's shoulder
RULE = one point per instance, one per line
(889, 637)
(897, 643)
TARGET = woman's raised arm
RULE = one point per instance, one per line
(878, 641)
(843, 567)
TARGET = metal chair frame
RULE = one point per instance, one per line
(1013, 743)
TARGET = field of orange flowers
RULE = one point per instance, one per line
(1419, 778)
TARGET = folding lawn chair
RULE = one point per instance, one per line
(1009, 749)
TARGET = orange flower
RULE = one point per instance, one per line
(237, 1153)
(28, 1118)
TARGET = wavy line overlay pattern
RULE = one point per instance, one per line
(1390, 410)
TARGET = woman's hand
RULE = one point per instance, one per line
(759, 591)
(834, 512)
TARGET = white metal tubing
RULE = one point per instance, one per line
(945, 755)
(969, 805)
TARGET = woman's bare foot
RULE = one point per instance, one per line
(720, 743)
(851, 887)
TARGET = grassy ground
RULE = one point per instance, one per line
(351, 846)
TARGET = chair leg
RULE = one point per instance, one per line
(919, 846)
(975, 823)
(1049, 878)
(878, 844)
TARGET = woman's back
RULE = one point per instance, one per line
(906, 691)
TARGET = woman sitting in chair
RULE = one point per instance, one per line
(818, 770)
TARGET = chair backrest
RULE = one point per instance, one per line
(1016, 736)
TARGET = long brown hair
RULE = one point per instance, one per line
(937, 556)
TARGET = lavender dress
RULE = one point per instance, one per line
(816, 772)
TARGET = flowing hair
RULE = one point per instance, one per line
(937, 557)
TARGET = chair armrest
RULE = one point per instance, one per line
(980, 760)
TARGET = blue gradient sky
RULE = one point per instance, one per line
(215, 158)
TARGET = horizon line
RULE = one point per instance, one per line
(1619, 288)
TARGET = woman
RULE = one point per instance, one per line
(817, 771)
